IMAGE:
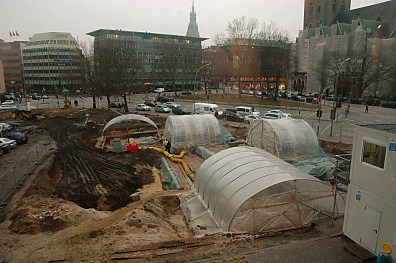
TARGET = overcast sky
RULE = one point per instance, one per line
(79, 17)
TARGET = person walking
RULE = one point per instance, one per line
(168, 146)
(366, 111)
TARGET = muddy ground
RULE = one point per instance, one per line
(76, 207)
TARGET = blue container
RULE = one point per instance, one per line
(383, 258)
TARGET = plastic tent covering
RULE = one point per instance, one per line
(126, 118)
(187, 131)
(248, 190)
(287, 138)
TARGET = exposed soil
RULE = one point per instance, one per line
(77, 205)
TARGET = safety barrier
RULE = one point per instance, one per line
(11, 179)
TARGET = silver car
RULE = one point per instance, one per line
(162, 108)
(143, 107)
(7, 143)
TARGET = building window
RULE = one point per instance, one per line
(311, 9)
(342, 7)
(318, 8)
(374, 154)
(334, 6)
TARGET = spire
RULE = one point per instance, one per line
(192, 30)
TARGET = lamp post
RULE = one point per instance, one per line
(319, 112)
(332, 116)
(195, 79)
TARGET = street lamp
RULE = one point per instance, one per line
(195, 78)
(333, 111)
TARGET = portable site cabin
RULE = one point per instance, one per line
(370, 218)
(248, 190)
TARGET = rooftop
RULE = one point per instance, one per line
(141, 34)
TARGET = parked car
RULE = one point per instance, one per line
(7, 107)
(356, 100)
(116, 105)
(373, 102)
(162, 108)
(171, 104)
(143, 107)
(150, 103)
(35, 96)
(186, 92)
(272, 116)
(8, 102)
(280, 112)
(163, 99)
(249, 119)
(14, 124)
(19, 137)
(232, 115)
(8, 143)
(181, 111)
(5, 127)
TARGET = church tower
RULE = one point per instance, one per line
(323, 12)
(192, 30)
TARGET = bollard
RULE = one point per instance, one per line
(340, 132)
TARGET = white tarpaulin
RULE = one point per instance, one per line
(192, 130)
(126, 118)
(287, 138)
(248, 190)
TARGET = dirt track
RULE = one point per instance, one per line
(52, 218)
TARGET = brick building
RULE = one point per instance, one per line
(10, 54)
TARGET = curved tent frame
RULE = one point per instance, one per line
(187, 131)
(128, 117)
(247, 189)
(287, 138)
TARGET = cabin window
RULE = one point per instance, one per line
(374, 154)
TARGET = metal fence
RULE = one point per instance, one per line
(11, 179)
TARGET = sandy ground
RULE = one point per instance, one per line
(76, 207)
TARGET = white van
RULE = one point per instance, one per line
(159, 90)
(246, 110)
(206, 108)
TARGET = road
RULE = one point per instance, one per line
(343, 127)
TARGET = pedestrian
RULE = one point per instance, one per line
(366, 111)
(168, 146)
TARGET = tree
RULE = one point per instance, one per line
(87, 71)
(275, 50)
(113, 69)
(367, 69)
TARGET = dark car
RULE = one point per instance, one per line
(232, 115)
(186, 92)
(356, 100)
(373, 102)
(181, 111)
(19, 137)
(116, 105)
(164, 99)
(150, 103)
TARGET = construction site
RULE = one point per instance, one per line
(110, 191)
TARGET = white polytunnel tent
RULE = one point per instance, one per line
(248, 190)
(187, 131)
(128, 118)
(287, 138)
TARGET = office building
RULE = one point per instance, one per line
(51, 62)
(10, 54)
